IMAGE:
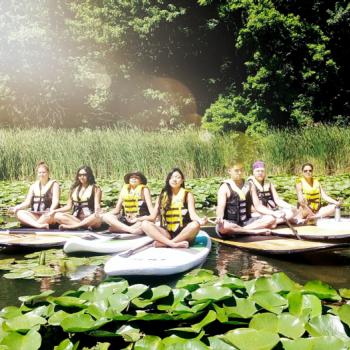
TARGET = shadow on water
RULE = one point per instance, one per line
(330, 267)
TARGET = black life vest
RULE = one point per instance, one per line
(238, 204)
(264, 192)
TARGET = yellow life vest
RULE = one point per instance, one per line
(312, 194)
(42, 197)
(132, 199)
(176, 216)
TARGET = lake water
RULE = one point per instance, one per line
(330, 267)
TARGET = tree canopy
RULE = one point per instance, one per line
(244, 65)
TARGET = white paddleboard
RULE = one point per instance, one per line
(161, 261)
(105, 245)
(332, 224)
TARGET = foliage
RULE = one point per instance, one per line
(291, 58)
(199, 313)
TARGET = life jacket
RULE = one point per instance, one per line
(83, 200)
(312, 194)
(238, 204)
(264, 192)
(176, 216)
(133, 204)
(42, 196)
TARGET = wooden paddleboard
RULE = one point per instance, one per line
(114, 244)
(161, 261)
(277, 245)
(315, 233)
(27, 241)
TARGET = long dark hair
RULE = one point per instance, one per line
(90, 177)
(166, 190)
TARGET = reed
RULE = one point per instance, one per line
(112, 152)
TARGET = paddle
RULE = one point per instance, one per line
(132, 251)
(294, 230)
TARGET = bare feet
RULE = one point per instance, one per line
(183, 244)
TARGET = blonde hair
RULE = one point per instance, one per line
(42, 164)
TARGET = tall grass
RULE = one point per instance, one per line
(326, 147)
(112, 152)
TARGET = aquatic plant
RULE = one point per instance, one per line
(203, 311)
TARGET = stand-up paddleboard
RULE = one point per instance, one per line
(316, 233)
(277, 245)
(104, 245)
(332, 224)
(16, 240)
(161, 261)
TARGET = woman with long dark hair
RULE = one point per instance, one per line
(84, 203)
(176, 207)
(43, 196)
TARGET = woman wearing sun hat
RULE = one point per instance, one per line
(133, 206)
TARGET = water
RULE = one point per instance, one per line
(330, 267)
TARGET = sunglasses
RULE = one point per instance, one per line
(82, 174)
(307, 171)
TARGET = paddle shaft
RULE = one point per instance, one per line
(132, 251)
(294, 230)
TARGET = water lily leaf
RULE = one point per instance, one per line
(283, 282)
(29, 341)
(129, 333)
(149, 316)
(57, 318)
(318, 343)
(217, 343)
(244, 308)
(19, 274)
(23, 322)
(104, 290)
(322, 290)
(98, 309)
(10, 312)
(211, 293)
(7, 261)
(196, 328)
(67, 345)
(304, 305)
(344, 313)
(136, 290)
(265, 321)
(344, 293)
(232, 282)
(221, 314)
(157, 293)
(32, 299)
(290, 326)
(79, 322)
(179, 296)
(252, 339)
(272, 302)
(178, 343)
(118, 302)
(149, 342)
(45, 271)
(326, 325)
(192, 279)
(266, 284)
(68, 301)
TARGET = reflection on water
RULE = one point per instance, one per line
(330, 267)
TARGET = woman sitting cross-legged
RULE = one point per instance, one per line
(179, 223)
(134, 205)
(84, 203)
(42, 197)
